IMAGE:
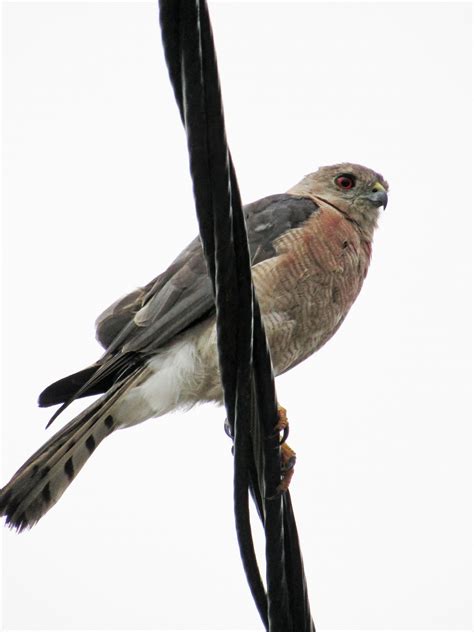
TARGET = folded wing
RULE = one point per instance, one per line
(136, 326)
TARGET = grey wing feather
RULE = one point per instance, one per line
(113, 320)
(137, 325)
(124, 322)
(149, 317)
(270, 218)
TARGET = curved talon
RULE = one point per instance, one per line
(284, 437)
(283, 424)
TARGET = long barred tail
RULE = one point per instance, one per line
(42, 480)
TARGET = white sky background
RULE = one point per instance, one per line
(98, 200)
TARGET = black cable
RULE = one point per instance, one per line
(181, 33)
(245, 364)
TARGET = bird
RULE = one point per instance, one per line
(310, 250)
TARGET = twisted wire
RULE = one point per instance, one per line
(245, 364)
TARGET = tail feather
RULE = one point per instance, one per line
(65, 388)
(44, 477)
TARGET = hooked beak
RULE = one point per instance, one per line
(378, 196)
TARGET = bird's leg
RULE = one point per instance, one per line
(287, 455)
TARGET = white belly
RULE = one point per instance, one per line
(179, 377)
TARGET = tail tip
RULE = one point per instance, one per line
(8, 508)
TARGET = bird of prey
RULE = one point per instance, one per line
(310, 250)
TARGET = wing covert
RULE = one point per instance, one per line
(149, 317)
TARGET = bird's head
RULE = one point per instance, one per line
(355, 191)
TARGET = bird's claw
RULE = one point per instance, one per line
(287, 455)
(282, 419)
(283, 424)
(288, 462)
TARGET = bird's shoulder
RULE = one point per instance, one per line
(272, 217)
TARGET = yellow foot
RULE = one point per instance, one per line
(283, 425)
(287, 455)
(288, 461)
(282, 419)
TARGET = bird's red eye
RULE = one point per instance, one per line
(345, 181)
